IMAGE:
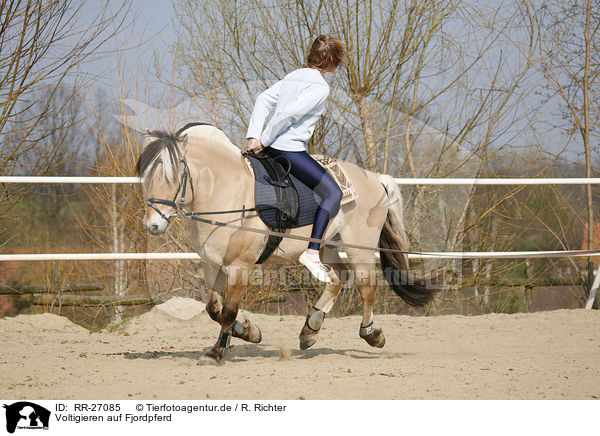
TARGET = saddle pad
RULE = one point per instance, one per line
(338, 173)
(266, 196)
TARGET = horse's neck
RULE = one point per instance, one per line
(223, 179)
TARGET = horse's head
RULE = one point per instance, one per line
(166, 180)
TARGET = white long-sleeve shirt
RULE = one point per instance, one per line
(299, 100)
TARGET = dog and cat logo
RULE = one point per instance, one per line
(26, 415)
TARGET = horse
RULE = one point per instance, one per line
(199, 169)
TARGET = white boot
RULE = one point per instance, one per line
(314, 265)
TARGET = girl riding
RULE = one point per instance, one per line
(299, 101)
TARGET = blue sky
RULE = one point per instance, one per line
(149, 35)
(149, 32)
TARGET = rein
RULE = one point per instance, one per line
(180, 214)
(327, 242)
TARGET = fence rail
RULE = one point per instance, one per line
(400, 181)
(89, 300)
(196, 256)
(36, 289)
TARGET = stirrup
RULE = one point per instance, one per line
(315, 266)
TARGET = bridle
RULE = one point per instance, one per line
(178, 208)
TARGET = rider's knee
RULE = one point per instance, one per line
(329, 196)
(335, 198)
(337, 195)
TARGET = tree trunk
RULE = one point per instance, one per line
(370, 141)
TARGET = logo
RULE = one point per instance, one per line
(26, 415)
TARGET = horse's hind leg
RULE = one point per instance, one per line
(316, 315)
(373, 336)
(366, 281)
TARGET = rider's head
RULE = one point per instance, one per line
(326, 53)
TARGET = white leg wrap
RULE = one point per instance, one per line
(315, 318)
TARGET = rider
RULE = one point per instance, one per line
(299, 101)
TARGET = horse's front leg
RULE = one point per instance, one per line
(225, 312)
(242, 329)
(226, 317)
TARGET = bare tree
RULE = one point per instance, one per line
(429, 88)
(42, 45)
(569, 60)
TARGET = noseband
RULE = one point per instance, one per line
(179, 211)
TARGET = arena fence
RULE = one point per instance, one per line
(400, 181)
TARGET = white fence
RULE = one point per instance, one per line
(400, 181)
(408, 181)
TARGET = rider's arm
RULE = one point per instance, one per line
(310, 102)
(264, 104)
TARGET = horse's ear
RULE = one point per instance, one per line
(147, 138)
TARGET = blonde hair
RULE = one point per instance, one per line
(325, 53)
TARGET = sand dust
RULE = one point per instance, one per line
(544, 355)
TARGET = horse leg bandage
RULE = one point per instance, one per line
(237, 329)
(225, 338)
(366, 330)
(314, 319)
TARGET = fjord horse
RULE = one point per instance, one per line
(199, 169)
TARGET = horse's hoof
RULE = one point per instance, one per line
(247, 331)
(308, 337)
(216, 355)
(375, 338)
(255, 335)
(305, 344)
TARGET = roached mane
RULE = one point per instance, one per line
(164, 151)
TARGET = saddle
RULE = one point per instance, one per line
(284, 202)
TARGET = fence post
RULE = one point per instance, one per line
(593, 291)
(118, 272)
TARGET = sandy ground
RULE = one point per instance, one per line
(544, 355)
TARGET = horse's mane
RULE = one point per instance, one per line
(164, 149)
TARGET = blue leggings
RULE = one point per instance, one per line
(313, 175)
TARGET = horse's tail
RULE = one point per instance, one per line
(415, 290)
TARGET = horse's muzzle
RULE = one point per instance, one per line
(155, 224)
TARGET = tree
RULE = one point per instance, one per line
(569, 60)
(426, 90)
(42, 45)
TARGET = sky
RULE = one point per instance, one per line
(130, 64)
(149, 32)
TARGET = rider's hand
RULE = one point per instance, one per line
(254, 146)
